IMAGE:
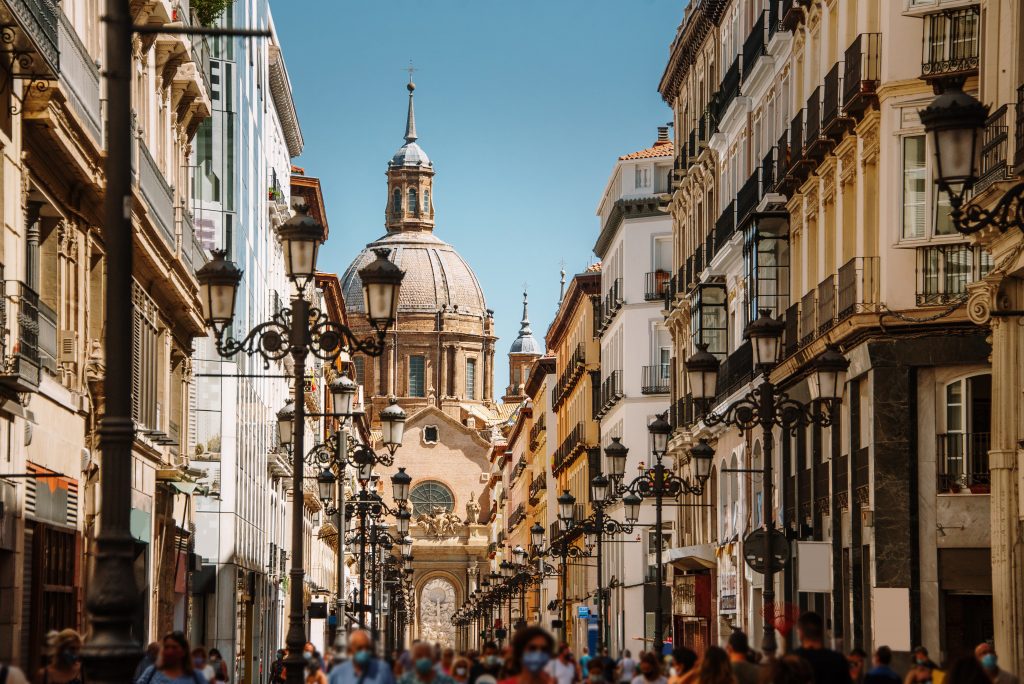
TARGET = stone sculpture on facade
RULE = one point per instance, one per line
(440, 522)
(472, 510)
(437, 605)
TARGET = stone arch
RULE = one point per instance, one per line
(438, 595)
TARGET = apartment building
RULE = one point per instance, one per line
(818, 172)
(635, 248)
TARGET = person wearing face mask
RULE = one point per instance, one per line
(650, 670)
(277, 667)
(361, 667)
(220, 667)
(986, 655)
(530, 657)
(174, 665)
(923, 669)
(423, 670)
(460, 670)
(444, 665)
(200, 663)
(64, 667)
(488, 668)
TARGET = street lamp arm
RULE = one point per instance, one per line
(749, 412)
(268, 339)
(329, 337)
(1007, 213)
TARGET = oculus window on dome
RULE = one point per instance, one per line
(427, 496)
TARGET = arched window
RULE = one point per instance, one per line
(426, 496)
(396, 202)
(412, 200)
(426, 201)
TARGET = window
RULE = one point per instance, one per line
(710, 322)
(919, 194)
(767, 264)
(417, 386)
(428, 496)
(396, 201)
(426, 201)
(943, 271)
(914, 187)
(412, 201)
(641, 178)
(963, 448)
(145, 360)
(471, 378)
(430, 434)
(360, 364)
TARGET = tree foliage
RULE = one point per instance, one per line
(207, 11)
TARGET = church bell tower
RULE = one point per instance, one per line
(410, 183)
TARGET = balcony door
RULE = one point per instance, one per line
(964, 446)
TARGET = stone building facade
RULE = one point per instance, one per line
(817, 171)
(438, 364)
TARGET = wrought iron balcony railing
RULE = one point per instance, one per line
(858, 286)
(862, 71)
(655, 379)
(80, 79)
(943, 271)
(158, 194)
(995, 147)
(654, 285)
(951, 43)
(725, 226)
(754, 45)
(963, 462)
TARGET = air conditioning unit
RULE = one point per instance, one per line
(68, 347)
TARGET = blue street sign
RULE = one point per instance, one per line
(583, 612)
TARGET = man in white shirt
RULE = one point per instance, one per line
(563, 668)
(627, 667)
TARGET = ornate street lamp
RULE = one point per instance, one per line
(343, 393)
(956, 121)
(400, 482)
(392, 422)
(218, 288)
(566, 502)
(286, 423)
(616, 454)
(301, 236)
(765, 335)
(325, 482)
(702, 373)
(537, 535)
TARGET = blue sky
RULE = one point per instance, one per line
(523, 107)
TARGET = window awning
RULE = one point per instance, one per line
(697, 557)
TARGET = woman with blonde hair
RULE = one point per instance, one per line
(64, 667)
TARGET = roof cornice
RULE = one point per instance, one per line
(540, 369)
(640, 207)
(581, 287)
(281, 91)
(704, 15)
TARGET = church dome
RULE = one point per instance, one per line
(525, 342)
(435, 276)
(410, 154)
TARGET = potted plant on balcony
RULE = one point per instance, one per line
(208, 11)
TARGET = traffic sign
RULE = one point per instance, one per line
(583, 612)
(755, 550)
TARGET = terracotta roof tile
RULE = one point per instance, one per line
(662, 148)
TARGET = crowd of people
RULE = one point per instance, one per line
(533, 657)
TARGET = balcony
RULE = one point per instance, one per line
(158, 194)
(858, 286)
(570, 375)
(793, 13)
(826, 304)
(995, 146)
(607, 309)
(611, 392)
(862, 73)
(951, 44)
(654, 285)
(797, 167)
(698, 262)
(80, 80)
(736, 371)
(39, 23)
(682, 413)
(22, 363)
(963, 462)
(1018, 138)
(943, 272)
(754, 45)
(538, 485)
(725, 226)
(709, 247)
(816, 145)
(791, 334)
(729, 88)
(537, 430)
(833, 122)
(747, 197)
(655, 379)
(768, 176)
(807, 311)
(568, 450)
(517, 516)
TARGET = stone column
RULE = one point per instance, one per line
(442, 380)
(1004, 454)
(32, 228)
(488, 363)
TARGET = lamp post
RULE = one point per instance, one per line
(563, 550)
(655, 482)
(299, 331)
(767, 407)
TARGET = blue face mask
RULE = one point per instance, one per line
(362, 657)
(534, 661)
(988, 661)
(424, 665)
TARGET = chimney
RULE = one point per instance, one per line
(662, 135)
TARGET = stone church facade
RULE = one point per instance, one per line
(438, 365)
